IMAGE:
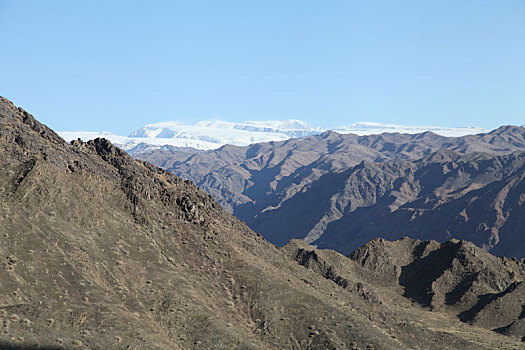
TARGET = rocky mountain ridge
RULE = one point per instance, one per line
(339, 191)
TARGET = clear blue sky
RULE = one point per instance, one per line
(116, 65)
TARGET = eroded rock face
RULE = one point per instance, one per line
(100, 251)
(455, 276)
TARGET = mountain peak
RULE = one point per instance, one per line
(508, 129)
(18, 121)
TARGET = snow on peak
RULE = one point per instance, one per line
(367, 128)
(292, 128)
(160, 130)
(223, 132)
(212, 134)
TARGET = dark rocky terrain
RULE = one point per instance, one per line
(340, 191)
(101, 251)
(474, 197)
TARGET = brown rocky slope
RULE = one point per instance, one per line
(101, 251)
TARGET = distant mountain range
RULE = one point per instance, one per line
(207, 135)
(339, 191)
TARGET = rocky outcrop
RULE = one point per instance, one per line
(455, 278)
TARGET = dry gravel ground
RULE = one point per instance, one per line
(100, 251)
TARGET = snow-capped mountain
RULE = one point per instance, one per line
(227, 132)
(214, 134)
(368, 128)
